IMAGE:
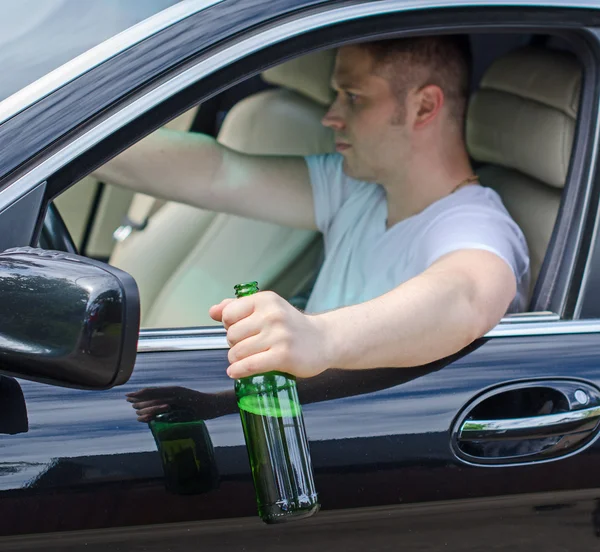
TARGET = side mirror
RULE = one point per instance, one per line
(13, 410)
(66, 320)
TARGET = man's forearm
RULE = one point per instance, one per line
(423, 320)
(169, 164)
(196, 170)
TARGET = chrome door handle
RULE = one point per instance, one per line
(535, 427)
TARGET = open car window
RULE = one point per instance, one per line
(179, 254)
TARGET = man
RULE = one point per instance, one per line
(420, 259)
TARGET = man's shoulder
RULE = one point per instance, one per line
(475, 209)
(472, 199)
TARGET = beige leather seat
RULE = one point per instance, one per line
(521, 123)
(186, 258)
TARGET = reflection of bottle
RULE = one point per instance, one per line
(276, 442)
(186, 452)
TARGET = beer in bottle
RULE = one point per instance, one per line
(186, 452)
(276, 442)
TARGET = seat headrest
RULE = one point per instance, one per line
(523, 115)
(309, 75)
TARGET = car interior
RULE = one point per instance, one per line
(520, 126)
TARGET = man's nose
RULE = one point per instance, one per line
(333, 118)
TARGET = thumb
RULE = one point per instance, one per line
(216, 311)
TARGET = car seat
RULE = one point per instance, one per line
(520, 124)
(185, 259)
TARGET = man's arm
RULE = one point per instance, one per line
(456, 300)
(195, 169)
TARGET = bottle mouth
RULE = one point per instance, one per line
(246, 288)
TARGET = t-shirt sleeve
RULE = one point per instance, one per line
(478, 227)
(329, 186)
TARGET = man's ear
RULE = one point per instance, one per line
(430, 100)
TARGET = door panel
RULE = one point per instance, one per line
(380, 443)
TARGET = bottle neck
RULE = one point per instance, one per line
(245, 289)
(241, 385)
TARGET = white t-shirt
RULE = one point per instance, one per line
(363, 259)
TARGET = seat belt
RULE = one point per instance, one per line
(142, 208)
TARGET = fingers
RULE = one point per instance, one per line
(148, 404)
(216, 311)
(230, 311)
(258, 363)
(244, 329)
(259, 330)
(247, 347)
(149, 399)
(148, 414)
(135, 395)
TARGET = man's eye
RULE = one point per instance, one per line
(351, 97)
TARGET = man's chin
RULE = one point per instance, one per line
(351, 170)
(347, 168)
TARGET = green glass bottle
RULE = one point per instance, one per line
(186, 452)
(276, 442)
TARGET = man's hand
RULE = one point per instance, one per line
(266, 333)
(151, 401)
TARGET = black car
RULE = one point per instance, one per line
(494, 448)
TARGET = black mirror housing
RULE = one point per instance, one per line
(66, 320)
(13, 410)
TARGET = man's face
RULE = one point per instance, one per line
(370, 127)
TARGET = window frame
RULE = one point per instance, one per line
(215, 338)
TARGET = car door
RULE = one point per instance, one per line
(491, 448)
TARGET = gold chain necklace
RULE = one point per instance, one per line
(469, 180)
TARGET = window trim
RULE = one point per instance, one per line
(215, 338)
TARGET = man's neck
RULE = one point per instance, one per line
(422, 184)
